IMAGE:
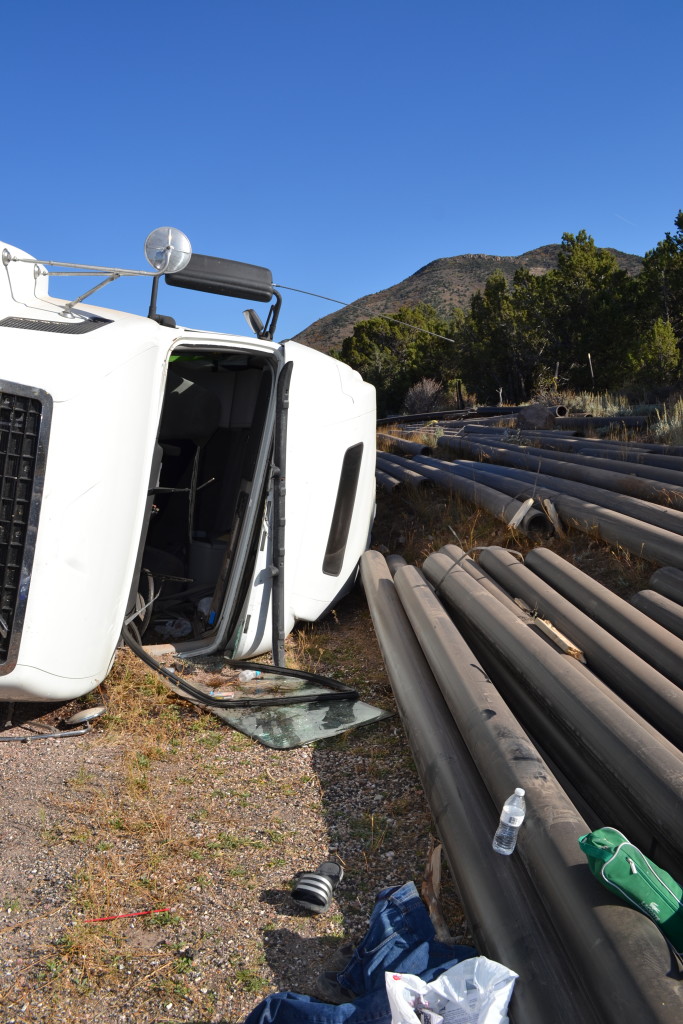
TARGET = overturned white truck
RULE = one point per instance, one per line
(203, 488)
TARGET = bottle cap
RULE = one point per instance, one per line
(519, 792)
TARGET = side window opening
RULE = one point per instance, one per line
(343, 510)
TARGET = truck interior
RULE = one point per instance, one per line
(215, 417)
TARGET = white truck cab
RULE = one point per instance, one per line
(204, 489)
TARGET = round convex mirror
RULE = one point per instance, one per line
(168, 250)
(85, 716)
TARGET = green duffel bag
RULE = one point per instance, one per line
(624, 870)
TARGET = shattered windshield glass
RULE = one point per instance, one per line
(287, 709)
(294, 725)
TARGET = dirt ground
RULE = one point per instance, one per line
(163, 808)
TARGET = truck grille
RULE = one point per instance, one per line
(25, 415)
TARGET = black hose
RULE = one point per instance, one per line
(340, 691)
(44, 736)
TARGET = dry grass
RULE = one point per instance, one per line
(604, 403)
(139, 704)
(170, 809)
(668, 427)
(413, 523)
(153, 831)
(666, 418)
(426, 433)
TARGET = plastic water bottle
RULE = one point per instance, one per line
(511, 817)
(248, 674)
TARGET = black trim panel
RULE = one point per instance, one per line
(343, 510)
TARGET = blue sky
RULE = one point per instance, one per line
(343, 146)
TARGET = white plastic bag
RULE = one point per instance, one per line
(475, 991)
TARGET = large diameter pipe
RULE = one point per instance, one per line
(550, 733)
(604, 442)
(588, 788)
(508, 410)
(494, 501)
(401, 444)
(474, 570)
(645, 689)
(519, 483)
(592, 422)
(654, 447)
(400, 472)
(644, 772)
(421, 417)
(599, 939)
(561, 440)
(394, 563)
(669, 582)
(638, 632)
(664, 611)
(641, 539)
(645, 479)
(602, 459)
(644, 540)
(517, 608)
(625, 454)
(384, 481)
(549, 448)
(564, 440)
(505, 420)
(644, 511)
(502, 907)
(618, 445)
(579, 468)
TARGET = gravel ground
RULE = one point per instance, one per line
(197, 820)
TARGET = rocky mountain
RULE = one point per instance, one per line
(444, 283)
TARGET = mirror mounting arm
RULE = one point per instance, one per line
(159, 318)
(271, 321)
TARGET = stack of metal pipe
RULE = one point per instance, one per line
(628, 496)
(483, 412)
(395, 469)
(509, 674)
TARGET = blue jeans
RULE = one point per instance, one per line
(400, 937)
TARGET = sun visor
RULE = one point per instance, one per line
(224, 277)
